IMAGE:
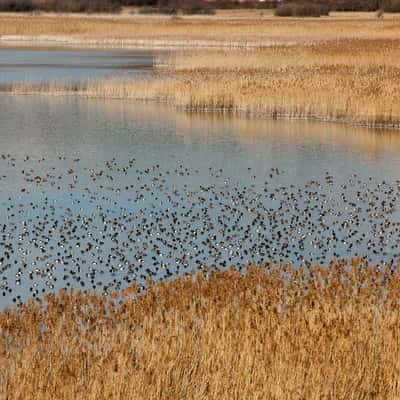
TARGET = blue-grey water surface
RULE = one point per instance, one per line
(71, 64)
(97, 193)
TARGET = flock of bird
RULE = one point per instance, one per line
(66, 224)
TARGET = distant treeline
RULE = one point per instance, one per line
(291, 7)
(60, 5)
(357, 5)
(147, 6)
(317, 8)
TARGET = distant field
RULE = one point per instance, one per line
(227, 28)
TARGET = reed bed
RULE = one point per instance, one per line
(276, 332)
(349, 81)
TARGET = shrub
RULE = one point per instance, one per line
(173, 8)
(284, 10)
(301, 10)
(88, 6)
(392, 6)
(17, 6)
(244, 4)
(344, 5)
(159, 10)
(266, 5)
(198, 8)
(354, 5)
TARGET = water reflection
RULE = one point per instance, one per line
(97, 193)
(47, 64)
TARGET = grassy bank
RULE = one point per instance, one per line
(348, 81)
(275, 333)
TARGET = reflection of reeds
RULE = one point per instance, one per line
(276, 333)
(328, 82)
(255, 132)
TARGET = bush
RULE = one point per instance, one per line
(392, 6)
(265, 5)
(198, 8)
(89, 6)
(17, 6)
(344, 5)
(284, 10)
(243, 4)
(301, 10)
(354, 5)
(173, 8)
(159, 10)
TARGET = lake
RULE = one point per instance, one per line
(71, 64)
(98, 193)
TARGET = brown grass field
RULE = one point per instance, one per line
(275, 333)
(226, 29)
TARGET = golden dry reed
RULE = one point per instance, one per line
(240, 29)
(348, 81)
(275, 333)
(352, 81)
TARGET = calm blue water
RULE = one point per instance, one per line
(95, 194)
(43, 65)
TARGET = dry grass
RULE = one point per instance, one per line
(352, 81)
(349, 81)
(276, 333)
(232, 29)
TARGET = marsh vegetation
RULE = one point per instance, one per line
(322, 81)
(277, 332)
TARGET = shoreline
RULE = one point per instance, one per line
(128, 43)
(219, 111)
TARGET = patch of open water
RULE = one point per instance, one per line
(71, 64)
(95, 194)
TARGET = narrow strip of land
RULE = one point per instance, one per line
(249, 30)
